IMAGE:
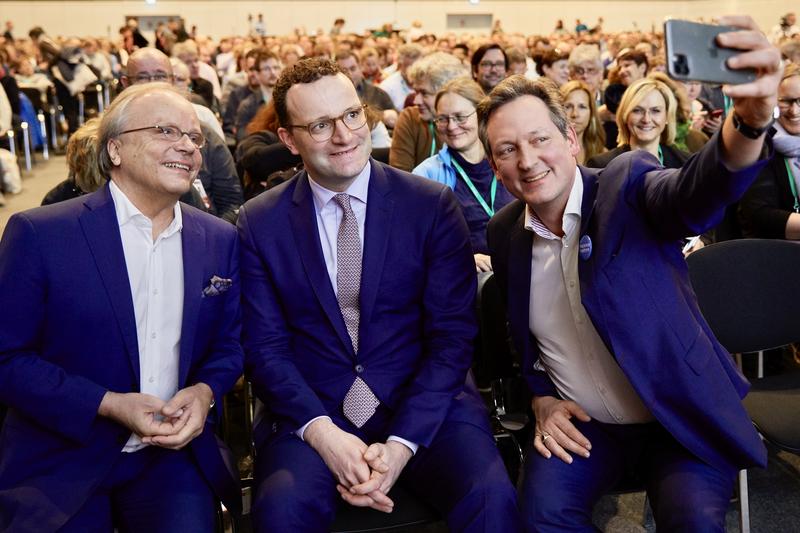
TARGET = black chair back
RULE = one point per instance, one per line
(748, 291)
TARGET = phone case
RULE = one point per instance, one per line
(693, 54)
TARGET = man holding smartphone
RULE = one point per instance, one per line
(625, 373)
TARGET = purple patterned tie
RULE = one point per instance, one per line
(359, 402)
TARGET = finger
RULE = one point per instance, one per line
(190, 430)
(557, 450)
(381, 499)
(573, 441)
(541, 448)
(368, 486)
(177, 402)
(740, 21)
(762, 87)
(577, 411)
(365, 501)
(743, 40)
(373, 451)
(766, 60)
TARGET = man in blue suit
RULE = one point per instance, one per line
(119, 330)
(358, 324)
(625, 373)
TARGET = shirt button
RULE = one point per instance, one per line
(155, 292)
(359, 369)
(153, 336)
(151, 379)
(571, 283)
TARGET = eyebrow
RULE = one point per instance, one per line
(328, 117)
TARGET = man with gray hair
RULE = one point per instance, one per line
(119, 332)
(415, 138)
(220, 183)
(585, 65)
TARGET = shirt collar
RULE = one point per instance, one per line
(358, 189)
(572, 212)
(127, 212)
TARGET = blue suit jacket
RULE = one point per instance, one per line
(68, 335)
(417, 319)
(636, 289)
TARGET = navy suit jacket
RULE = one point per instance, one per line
(417, 318)
(68, 335)
(636, 289)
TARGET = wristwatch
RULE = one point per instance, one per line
(749, 131)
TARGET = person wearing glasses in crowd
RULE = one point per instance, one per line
(586, 65)
(461, 164)
(489, 66)
(269, 68)
(415, 137)
(646, 121)
(358, 317)
(771, 207)
(126, 412)
(582, 115)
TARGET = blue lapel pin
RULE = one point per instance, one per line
(585, 248)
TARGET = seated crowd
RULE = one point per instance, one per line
(568, 164)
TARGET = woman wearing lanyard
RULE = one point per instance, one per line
(462, 165)
(646, 121)
(771, 208)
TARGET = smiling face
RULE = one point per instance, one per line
(578, 109)
(334, 163)
(146, 164)
(629, 71)
(647, 119)
(790, 112)
(459, 137)
(491, 69)
(531, 157)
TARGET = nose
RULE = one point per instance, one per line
(185, 144)
(526, 158)
(418, 99)
(341, 133)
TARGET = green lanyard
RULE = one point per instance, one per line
(728, 103)
(660, 156)
(792, 184)
(475, 193)
(433, 139)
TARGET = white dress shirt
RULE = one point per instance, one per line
(155, 273)
(571, 351)
(329, 217)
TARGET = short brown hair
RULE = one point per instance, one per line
(306, 70)
(512, 88)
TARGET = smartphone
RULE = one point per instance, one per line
(716, 113)
(694, 55)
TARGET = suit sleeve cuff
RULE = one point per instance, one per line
(408, 444)
(302, 429)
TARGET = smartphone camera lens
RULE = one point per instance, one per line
(680, 65)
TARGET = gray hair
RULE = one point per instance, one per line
(437, 69)
(115, 118)
(585, 52)
(512, 88)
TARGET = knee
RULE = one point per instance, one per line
(692, 516)
(488, 499)
(281, 504)
(544, 509)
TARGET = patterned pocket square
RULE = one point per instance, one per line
(217, 286)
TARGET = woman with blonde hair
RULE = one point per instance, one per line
(462, 165)
(84, 170)
(646, 121)
(582, 114)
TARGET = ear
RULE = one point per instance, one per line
(125, 81)
(113, 152)
(572, 140)
(287, 138)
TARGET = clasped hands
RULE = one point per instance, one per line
(365, 474)
(169, 424)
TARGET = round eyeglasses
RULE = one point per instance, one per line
(321, 130)
(442, 121)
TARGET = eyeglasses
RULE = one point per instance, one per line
(147, 78)
(323, 129)
(442, 121)
(490, 65)
(174, 134)
(788, 102)
(580, 71)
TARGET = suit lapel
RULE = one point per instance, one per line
(519, 277)
(193, 243)
(101, 229)
(377, 227)
(303, 221)
(588, 201)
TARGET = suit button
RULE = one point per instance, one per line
(359, 369)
